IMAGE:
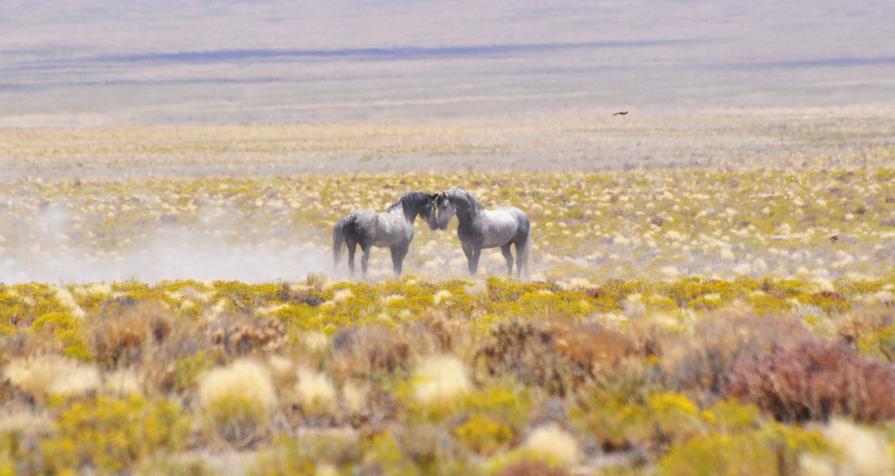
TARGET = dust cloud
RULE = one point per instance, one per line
(46, 248)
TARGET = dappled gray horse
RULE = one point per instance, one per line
(479, 228)
(392, 229)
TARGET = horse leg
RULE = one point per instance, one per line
(522, 249)
(474, 264)
(398, 254)
(365, 258)
(469, 251)
(508, 255)
(395, 266)
(352, 247)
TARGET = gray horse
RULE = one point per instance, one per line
(392, 229)
(479, 228)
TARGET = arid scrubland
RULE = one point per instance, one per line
(684, 376)
(816, 224)
(169, 304)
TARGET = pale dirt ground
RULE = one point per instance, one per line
(731, 139)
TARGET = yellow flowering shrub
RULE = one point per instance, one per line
(880, 343)
(483, 435)
(66, 329)
(773, 449)
(110, 435)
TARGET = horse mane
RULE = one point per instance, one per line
(459, 196)
(412, 197)
(465, 197)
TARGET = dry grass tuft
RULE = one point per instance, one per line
(121, 340)
(354, 397)
(866, 451)
(315, 392)
(369, 351)
(554, 444)
(440, 380)
(47, 375)
(236, 400)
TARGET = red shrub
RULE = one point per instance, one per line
(813, 381)
(531, 468)
(555, 356)
(699, 364)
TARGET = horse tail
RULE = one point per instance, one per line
(523, 252)
(526, 253)
(339, 240)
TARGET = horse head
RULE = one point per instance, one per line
(428, 211)
(444, 209)
(418, 204)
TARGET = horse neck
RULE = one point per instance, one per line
(410, 215)
(473, 207)
(465, 205)
(409, 211)
(467, 214)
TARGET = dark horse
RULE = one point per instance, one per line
(479, 228)
(392, 228)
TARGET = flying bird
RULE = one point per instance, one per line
(621, 113)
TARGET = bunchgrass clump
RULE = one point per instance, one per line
(50, 375)
(440, 381)
(236, 401)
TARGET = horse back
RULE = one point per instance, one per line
(519, 217)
